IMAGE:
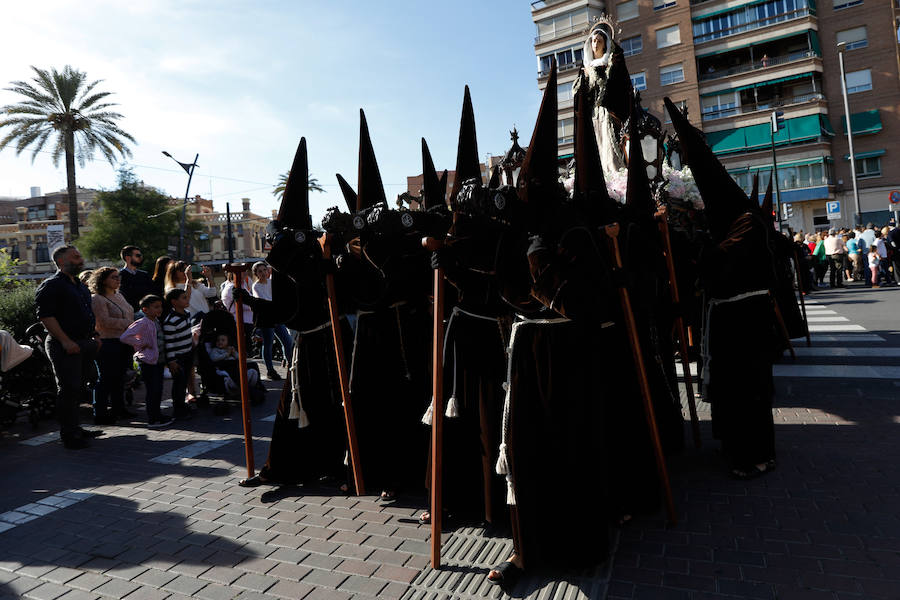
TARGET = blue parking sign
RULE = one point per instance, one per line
(833, 208)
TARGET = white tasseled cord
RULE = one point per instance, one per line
(502, 467)
(297, 411)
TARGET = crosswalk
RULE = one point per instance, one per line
(840, 349)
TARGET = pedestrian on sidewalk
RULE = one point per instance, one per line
(820, 264)
(135, 283)
(146, 337)
(874, 260)
(179, 348)
(114, 315)
(883, 260)
(64, 307)
(269, 330)
(834, 252)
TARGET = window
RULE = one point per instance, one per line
(639, 81)
(627, 10)
(240, 229)
(565, 131)
(563, 92)
(668, 36)
(41, 253)
(671, 74)
(632, 46)
(749, 18)
(869, 167)
(14, 249)
(567, 58)
(549, 29)
(839, 4)
(854, 38)
(203, 243)
(661, 4)
(859, 81)
(716, 107)
(216, 230)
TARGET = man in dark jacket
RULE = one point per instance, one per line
(134, 283)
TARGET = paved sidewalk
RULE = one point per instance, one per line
(154, 515)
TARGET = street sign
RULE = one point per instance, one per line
(55, 238)
(833, 208)
(895, 200)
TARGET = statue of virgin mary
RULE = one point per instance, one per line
(609, 90)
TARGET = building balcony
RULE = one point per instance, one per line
(562, 33)
(560, 69)
(542, 4)
(725, 112)
(752, 25)
(763, 63)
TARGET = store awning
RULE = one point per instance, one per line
(756, 85)
(825, 125)
(863, 123)
(862, 155)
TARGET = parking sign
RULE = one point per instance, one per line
(833, 208)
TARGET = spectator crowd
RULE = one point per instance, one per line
(107, 325)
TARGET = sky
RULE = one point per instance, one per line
(240, 82)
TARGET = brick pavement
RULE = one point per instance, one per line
(156, 515)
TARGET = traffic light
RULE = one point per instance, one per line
(777, 121)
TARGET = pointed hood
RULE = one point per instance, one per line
(432, 193)
(467, 165)
(349, 195)
(767, 205)
(723, 198)
(294, 209)
(539, 173)
(495, 181)
(590, 185)
(370, 190)
(443, 182)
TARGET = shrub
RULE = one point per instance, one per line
(17, 309)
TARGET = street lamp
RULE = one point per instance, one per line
(189, 169)
(841, 47)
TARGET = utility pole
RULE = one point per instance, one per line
(841, 47)
(189, 169)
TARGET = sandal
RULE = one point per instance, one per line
(254, 481)
(754, 471)
(507, 574)
(425, 518)
(388, 496)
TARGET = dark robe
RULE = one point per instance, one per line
(574, 413)
(389, 370)
(742, 341)
(784, 292)
(302, 455)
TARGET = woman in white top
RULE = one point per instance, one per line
(262, 288)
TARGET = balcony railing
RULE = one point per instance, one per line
(756, 106)
(564, 31)
(764, 63)
(752, 25)
(561, 68)
(539, 4)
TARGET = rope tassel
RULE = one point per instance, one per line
(452, 411)
(428, 417)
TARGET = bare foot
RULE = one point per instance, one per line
(505, 574)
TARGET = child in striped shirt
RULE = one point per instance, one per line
(179, 348)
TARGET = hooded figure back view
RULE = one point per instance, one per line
(740, 339)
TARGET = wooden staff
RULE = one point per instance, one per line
(437, 418)
(796, 260)
(679, 323)
(343, 378)
(781, 325)
(612, 232)
(238, 270)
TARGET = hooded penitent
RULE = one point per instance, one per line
(467, 165)
(370, 190)
(294, 209)
(432, 190)
(767, 206)
(538, 183)
(723, 198)
(754, 192)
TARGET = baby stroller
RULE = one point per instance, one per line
(212, 325)
(26, 378)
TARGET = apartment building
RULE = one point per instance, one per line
(733, 62)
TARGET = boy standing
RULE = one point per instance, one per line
(146, 337)
(179, 348)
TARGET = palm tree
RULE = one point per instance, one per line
(312, 184)
(64, 107)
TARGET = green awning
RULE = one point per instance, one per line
(730, 9)
(825, 125)
(814, 42)
(863, 123)
(726, 141)
(756, 137)
(803, 128)
(862, 155)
